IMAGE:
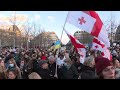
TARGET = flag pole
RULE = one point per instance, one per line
(64, 26)
(60, 41)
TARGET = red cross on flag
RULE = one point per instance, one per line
(90, 22)
(78, 46)
(99, 45)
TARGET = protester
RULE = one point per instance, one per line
(52, 66)
(34, 75)
(12, 74)
(13, 65)
(116, 64)
(23, 69)
(43, 57)
(104, 69)
(88, 71)
(68, 70)
(3, 74)
(44, 71)
(79, 66)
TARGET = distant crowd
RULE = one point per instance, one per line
(37, 63)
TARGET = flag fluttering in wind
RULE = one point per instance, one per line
(90, 22)
(78, 46)
(57, 45)
(99, 45)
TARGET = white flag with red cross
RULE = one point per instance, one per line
(90, 22)
(78, 46)
(99, 45)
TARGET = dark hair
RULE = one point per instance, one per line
(114, 59)
(13, 70)
(22, 59)
(100, 76)
(92, 52)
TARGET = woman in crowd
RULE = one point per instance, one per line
(2, 69)
(104, 69)
(12, 74)
(13, 65)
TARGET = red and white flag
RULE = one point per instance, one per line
(99, 45)
(90, 22)
(78, 46)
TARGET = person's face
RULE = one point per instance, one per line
(11, 75)
(40, 53)
(109, 72)
(22, 63)
(92, 64)
(10, 62)
(2, 63)
(52, 61)
(61, 57)
(26, 55)
(117, 64)
(12, 55)
(45, 66)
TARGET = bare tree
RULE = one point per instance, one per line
(34, 34)
(27, 28)
(15, 21)
(111, 26)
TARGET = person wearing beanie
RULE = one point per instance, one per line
(104, 69)
(44, 70)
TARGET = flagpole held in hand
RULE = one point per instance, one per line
(59, 49)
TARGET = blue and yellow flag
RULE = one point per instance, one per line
(52, 46)
(57, 45)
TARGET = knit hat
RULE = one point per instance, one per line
(101, 63)
(41, 62)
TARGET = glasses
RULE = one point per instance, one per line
(108, 69)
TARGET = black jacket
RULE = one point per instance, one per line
(70, 73)
(36, 65)
(88, 73)
(79, 67)
(44, 73)
(24, 72)
(52, 68)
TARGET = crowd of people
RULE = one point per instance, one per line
(46, 64)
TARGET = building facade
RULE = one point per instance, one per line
(44, 40)
(83, 37)
(10, 37)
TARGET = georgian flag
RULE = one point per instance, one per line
(99, 45)
(90, 22)
(78, 46)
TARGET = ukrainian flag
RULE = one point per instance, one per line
(57, 45)
(52, 46)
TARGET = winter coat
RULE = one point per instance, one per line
(44, 73)
(52, 68)
(70, 73)
(88, 73)
(79, 67)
